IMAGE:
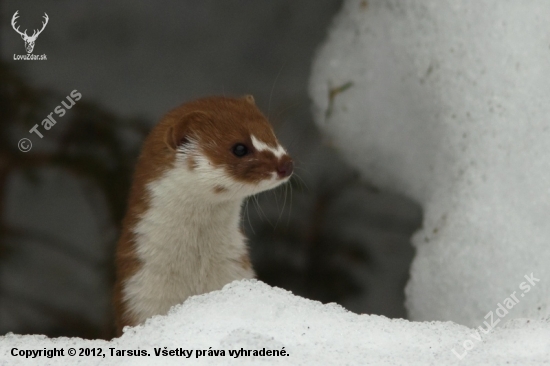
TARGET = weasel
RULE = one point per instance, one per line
(181, 234)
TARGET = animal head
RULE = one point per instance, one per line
(29, 40)
(224, 146)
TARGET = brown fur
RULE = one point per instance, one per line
(245, 262)
(220, 189)
(217, 124)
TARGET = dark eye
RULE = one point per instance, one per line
(240, 150)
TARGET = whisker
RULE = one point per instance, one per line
(256, 205)
(262, 211)
(284, 203)
(273, 88)
(301, 168)
(275, 194)
(301, 163)
(310, 164)
(297, 104)
(304, 171)
(289, 208)
(302, 182)
(247, 213)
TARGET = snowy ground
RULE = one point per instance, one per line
(250, 315)
(447, 102)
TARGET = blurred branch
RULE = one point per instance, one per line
(93, 145)
(53, 242)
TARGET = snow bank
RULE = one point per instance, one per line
(251, 315)
(447, 102)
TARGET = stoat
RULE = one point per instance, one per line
(181, 234)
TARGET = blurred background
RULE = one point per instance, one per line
(329, 235)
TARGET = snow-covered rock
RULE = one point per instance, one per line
(250, 315)
(448, 102)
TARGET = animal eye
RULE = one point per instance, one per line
(240, 150)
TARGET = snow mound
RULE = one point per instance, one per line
(447, 102)
(251, 315)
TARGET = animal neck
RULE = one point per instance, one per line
(183, 219)
(186, 246)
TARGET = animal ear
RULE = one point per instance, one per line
(180, 132)
(250, 99)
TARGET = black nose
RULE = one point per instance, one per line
(285, 168)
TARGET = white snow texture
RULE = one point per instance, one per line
(252, 316)
(448, 102)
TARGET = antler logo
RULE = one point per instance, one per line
(29, 40)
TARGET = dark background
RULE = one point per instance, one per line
(328, 236)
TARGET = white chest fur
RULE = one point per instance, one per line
(187, 246)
